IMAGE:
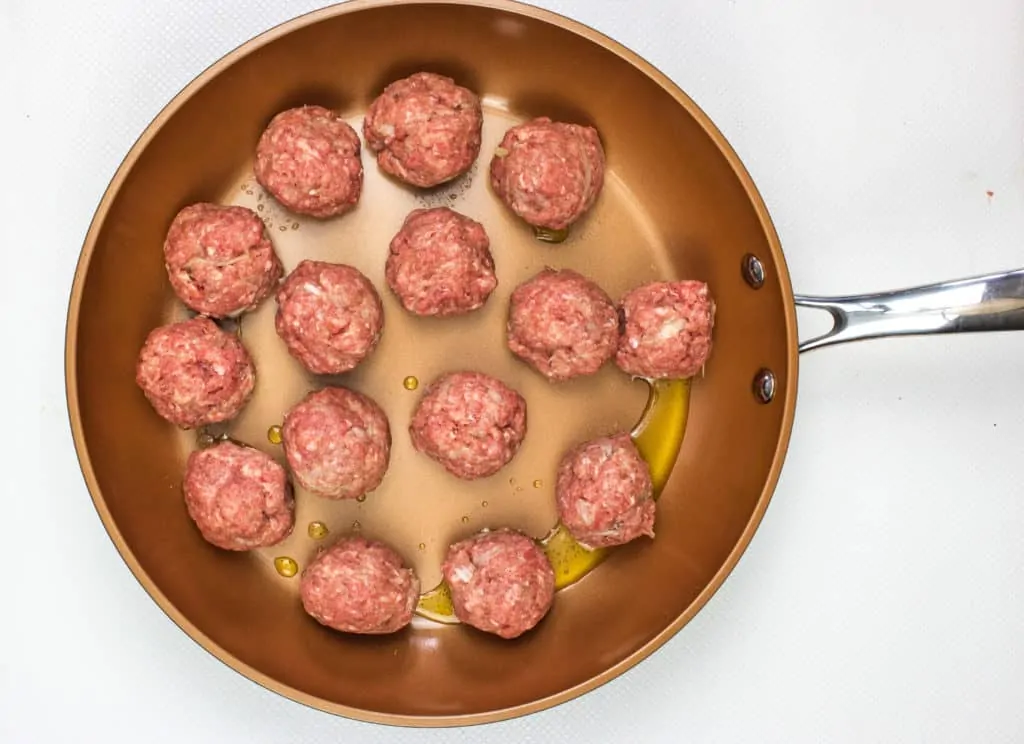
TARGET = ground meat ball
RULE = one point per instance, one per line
(308, 159)
(604, 493)
(220, 260)
(359, 586)
(549, 173)
(471, 423)
(440, 263)
(329, 316)
(194, 374)
(501, 582)
(667, 330)
(425, 129)
(239, 497)
(338, 443)
(562, 324)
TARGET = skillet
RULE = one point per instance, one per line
(678, 204)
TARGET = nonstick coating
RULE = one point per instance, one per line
(677, 203)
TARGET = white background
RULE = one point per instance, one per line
(882, 598)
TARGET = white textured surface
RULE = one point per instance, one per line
(883, 597)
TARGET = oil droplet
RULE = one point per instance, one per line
(437, 605)
(511, 481)
(410, 383)
(274, 434)
(422, 546)
(465, 520)
(259, 207)
(317, 530)
(547, 235)
(356, 526)
(538, 483)
(286, 566)
(483, 503)
(295, 226)
(282, 228)
(518, 489)
(361, 498)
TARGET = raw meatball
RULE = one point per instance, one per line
(549, 173)
(220, 260)
(440, 263)
(604, 493)
(667, 330)
(308, 158)
(338, 443)
(329, 316)
(425, 129)
(359, 586)
(562, 324)
(469, 422)
(239, 497)
(501, 582)
(194, 374)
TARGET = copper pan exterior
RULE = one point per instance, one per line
(678, 203)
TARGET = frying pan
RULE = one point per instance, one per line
(678, 203)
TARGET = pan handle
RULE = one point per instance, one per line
(983, 303)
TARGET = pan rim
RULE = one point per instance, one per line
(198, 636)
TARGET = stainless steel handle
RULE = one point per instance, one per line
(983, 303)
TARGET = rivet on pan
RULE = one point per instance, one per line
(753, 271)
(764, 386)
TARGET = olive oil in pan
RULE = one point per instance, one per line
(547, 235)
(658, 436)
(437, 605)
(317, 530)
(286, 566)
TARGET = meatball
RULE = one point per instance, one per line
(329, 316)
(440, 263)
(425, 129)
(338, 443)
(562, 324)
(604, 492)
(308, 158)
(549, 173)
(194, 374)
(239, 497)
(667, 330)
(470, 423)
(501, 582)
(220, 260)
(359, 586)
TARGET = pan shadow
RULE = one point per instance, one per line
(460, 73)
(532, 105)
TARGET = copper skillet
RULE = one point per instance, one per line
(678, 203)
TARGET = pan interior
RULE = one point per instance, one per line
(419, 508)
(673, 206)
